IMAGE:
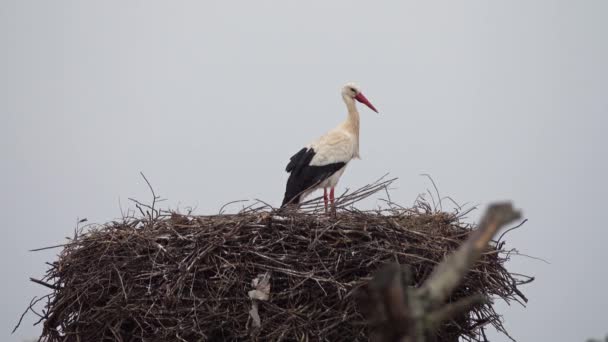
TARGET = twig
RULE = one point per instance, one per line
(436, 189)
(49, 247)
(40, 282)
(510, 229)
(33, 302)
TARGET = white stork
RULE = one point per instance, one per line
(321, 163)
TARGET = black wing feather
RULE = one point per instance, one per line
(304, 176)
(293, 161)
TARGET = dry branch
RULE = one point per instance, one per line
(398, 311)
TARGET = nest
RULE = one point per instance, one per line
(256, 275)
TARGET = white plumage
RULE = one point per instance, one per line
(338, 145)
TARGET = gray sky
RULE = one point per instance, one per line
(497, 100)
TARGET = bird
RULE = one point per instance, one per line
(321, 163)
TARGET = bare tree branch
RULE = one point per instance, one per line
(400, 313)
(449, 273)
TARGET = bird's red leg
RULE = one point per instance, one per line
(332, 199)
(325, 198)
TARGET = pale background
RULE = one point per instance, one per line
(496, 99)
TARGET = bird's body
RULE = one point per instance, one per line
(322, 163)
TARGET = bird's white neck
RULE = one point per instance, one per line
(351, 124)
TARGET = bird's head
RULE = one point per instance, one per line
(351, 90)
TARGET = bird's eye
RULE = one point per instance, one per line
(353, 90)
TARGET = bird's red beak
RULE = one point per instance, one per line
(361, 98)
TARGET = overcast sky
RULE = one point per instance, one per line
(495, 99)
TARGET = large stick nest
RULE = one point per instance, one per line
(255, 275)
